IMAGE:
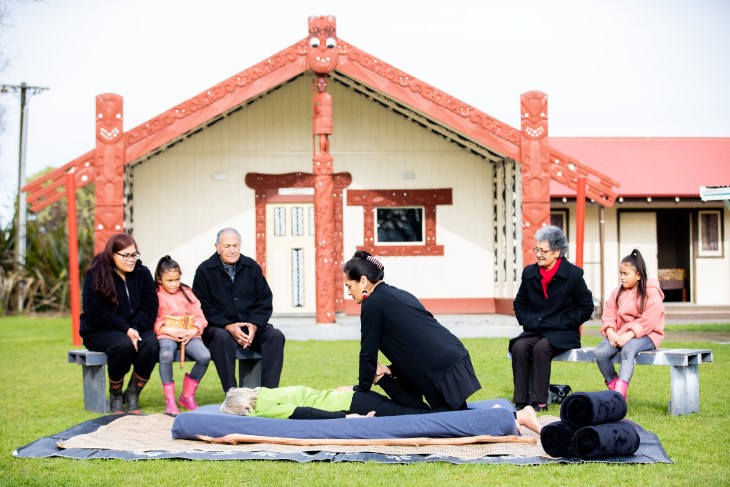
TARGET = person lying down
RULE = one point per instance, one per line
(300, 402)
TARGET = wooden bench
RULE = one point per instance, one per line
(684, 378)
(93, 370)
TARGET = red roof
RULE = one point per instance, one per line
(658, 167)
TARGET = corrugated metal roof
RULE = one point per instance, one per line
(648, 166)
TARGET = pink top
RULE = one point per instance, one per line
(625, 316)
(177, 305)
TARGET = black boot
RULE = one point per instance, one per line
(131, 395)
(115, 396)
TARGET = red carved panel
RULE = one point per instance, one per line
(535, 170)
(108, 170)
(372, 199)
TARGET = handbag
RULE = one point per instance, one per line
(557, 392)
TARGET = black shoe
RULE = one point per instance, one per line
(519, 406)
(538, 408)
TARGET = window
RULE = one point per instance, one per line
(559, 218)
(400, 222)
(399, 226)
(710, 239)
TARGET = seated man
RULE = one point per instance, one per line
(236, 301)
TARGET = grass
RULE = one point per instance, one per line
(41, 394)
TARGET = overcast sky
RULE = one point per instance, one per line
(655, 68)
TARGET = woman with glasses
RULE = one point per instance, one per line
(552, 303)
(120, 307)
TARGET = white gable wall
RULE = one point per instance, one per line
(184, 195)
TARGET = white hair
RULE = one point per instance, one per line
(240, 400)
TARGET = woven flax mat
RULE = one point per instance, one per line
(152, 433)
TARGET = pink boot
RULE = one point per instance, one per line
(170, 406)
(187, 398)
(622, 387)
(612, 383)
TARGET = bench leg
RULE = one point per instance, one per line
(249, 373)
(95, 388)
(685, 387)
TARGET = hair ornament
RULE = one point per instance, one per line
(375, 261)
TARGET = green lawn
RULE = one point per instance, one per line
(41, 394)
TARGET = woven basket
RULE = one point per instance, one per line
(185, 322)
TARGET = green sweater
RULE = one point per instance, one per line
(282, 401)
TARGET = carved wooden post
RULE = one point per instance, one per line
(108, 170)
(322, 57)
(535, 169)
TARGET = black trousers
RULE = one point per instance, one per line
(121, 355)
(269, 342)
(531, 361)
(406, 393)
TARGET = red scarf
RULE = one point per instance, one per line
(547, 275)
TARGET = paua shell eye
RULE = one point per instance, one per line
(331, 43)
(314, 42)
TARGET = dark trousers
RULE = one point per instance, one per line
(406, 393)
(364, 402)
(531, 360)
(121, 355)
(269, 342)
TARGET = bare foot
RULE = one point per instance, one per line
(380, 371)
(527, 417)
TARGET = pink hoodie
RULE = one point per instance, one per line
(626, 316)
(177, 305)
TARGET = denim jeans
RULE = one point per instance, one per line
(605, 352)
(194, 349)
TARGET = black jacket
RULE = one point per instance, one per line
(248, 299)
(395, 323)
(558, 318)
(137, 310)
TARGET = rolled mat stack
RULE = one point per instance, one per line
(591, 425)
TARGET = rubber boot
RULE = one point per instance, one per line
(170, 406)
(187, 398)
(622, 387)
(116, 402)
(612, 383)
(131, 395)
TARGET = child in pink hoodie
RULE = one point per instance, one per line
(632, 322)
(178, 302)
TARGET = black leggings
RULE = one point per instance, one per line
(364, 402)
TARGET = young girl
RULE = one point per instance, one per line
(632, 322)
(178, 301)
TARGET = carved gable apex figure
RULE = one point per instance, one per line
(323, 53)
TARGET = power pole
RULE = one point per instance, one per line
(25, 93)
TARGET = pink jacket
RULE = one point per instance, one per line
(177, 305)
(626, 316)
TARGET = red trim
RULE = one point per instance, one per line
(371, 199)
(504, 306)
(443, 306)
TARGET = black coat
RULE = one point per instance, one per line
(247, 300)
(137, 310)
(422, 350)
(558, 318)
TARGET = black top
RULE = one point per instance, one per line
(559, 317)
(248, 299)
(136, 308)
(419, 347)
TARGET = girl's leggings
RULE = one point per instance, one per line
(605, 353)
(194, 349)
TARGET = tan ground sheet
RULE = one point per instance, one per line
(153, 433)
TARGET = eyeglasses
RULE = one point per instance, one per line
(540, 251)
(128, 257)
